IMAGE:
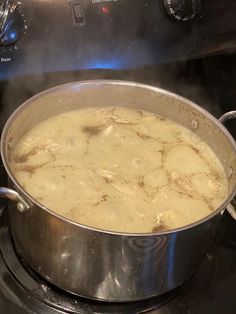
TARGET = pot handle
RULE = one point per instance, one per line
(228, 116)
(231, 208)
(14, 196)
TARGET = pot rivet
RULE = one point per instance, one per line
(193, 124)
(21, 207)
(222, 212)
(230, 173)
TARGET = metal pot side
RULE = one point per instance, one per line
(107, 265)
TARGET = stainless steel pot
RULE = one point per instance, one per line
(100, 264)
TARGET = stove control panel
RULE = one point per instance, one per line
(71, 35)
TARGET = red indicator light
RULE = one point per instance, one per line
(105, 10)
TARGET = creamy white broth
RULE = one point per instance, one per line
(120, 169)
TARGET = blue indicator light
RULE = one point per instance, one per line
(105, 64)
(13, 35)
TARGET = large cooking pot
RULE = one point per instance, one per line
(101, 264)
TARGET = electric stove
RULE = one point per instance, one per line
(187, 47)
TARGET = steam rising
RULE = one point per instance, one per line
(173, 77)
(117, 51)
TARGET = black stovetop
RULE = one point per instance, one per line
(211, 290)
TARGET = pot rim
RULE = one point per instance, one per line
(78, 84)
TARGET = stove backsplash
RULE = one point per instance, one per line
(74, 35)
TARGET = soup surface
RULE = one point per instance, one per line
(120, 169)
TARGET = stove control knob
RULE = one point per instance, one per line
(183, 10)
(11, 22)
